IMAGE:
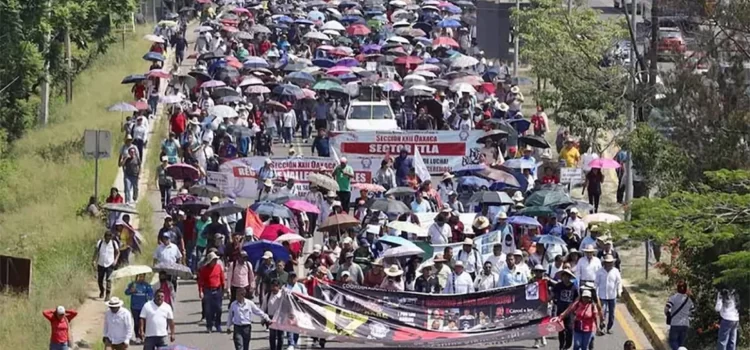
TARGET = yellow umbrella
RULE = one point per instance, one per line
(407, 227)
(130, 271)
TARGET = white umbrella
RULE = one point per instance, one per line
(130, 271)
(222, 111)
(425, 73)
(316, 36)
(203, 29)
(415, 77)
(248, 81)
(122, 107)
(331, 32)
(464, 61)
(333, 25)
(423, 88)
(463, 87)
(170, 99)
(154, 38)
(404, 250)
(407, 227)
(290, 237)
(398, 39)
(428, 67)
(601, 217)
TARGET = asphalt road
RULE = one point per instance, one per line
(190, 332)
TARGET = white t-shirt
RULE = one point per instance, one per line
(106, 252)
(167, 254)
(156, 317)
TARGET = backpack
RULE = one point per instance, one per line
(99, 246)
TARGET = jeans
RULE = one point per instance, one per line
(124, 258)
(139, 146)
(286, 133)
(190, 254)
(137, 322)
(608, 306)
(275, 339)
(292, 339)
(131, 188)
(198, 256)
(271, 131)
(346, 198)
(153, 343)
(305, 128)
(212, 298)
(179, 57)
(677, 336)
(727, 335)
(58, 346)
(153, 101)
(102, 275)
(165, 191)
(581, 340)
(321, 124)
(241, 337)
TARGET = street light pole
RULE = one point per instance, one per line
(631, 110)
(516, 40)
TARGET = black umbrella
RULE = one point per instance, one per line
(120, 208)
(227, 73)
(416, 93)
(390, 206)
(494, 135)
(400, 191)
(225, 209)
(223, 91)
(489, 197)
(209, 56)
(534, 141)
(294, 67)
(187, 80)
(171, 16)
(206, 191)
(133, 78)
(201, 76)
(194, 206)
(440, 84)
(272, 209)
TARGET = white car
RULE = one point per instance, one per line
(370, 116)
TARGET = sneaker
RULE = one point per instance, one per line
(218, 329)
(290, 348)
(208, 330)
(544, 341)
(609, 331)
(101, 295)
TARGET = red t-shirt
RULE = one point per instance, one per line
(139, 91)
(188, 232)
(550, 180)
(211, 277)
(59, 326)
(537, 121)
(179, 123)
(585, 317)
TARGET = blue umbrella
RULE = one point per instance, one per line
(520, 163)
(347, 62)
(520, 124)
(351, 19)
(284, 19)
(271, 209)
(289, 90)
(523, 220)
(549, 239)
(432, 60)
(473, 181)
(449, 23)
(255, 62)
(153, 56)
(300, 78)
(453, 9)
(255, 251)
(316, 16)
(423, 40)
(323, 63)
(304, 21)
(395, 241)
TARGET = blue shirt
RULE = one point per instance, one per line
(321, 111)
(512, 278)
(402, 166)
(322, 145)
(143, 293)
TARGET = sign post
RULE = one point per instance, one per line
(97, 144)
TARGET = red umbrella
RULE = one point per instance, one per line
(183, 171)
(444, 41)
(338, 52)
(141, 105)
(407, 60)
(233, 62)
(229, 29)
(271, 232)
(358, 29)
(158, 73)
(229, 22)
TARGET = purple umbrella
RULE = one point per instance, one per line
(347, 62)
(177, 347)
(183, 171)
(213, 84)
(372, 48)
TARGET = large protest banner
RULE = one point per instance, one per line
(241, 175)
(441, 150)
(374, 323)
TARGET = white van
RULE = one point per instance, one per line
(370, 116)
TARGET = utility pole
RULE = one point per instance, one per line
(516, 40)
(631, 111)
(44, 108)
(652, 51)
(69, 75)
(570, 6)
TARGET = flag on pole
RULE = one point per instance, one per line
(419, 167)
(253, 224)
(335, 156)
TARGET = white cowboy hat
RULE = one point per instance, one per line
(394, 271)
(586, 293)
(268, 183)
(503, 107)
(212, 256)
(331, 194)
(114, 302)
(514, 89)
(214, 200)
(608, 258)
(502, 215)
(468, 241)
(518, 252)
(517, 197)
(267, 255)
(589, 249)
(481, 223)
(447, 176)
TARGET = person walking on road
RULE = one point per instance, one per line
(118, 326)
(210, 291)
(678, 311)
(105, 256)
(140, 293)
(271, 307)
(726, 306)
(241, 276)
(585, 312)
(609, 287)
(131, 169)
(157, 323)
(59, 319)
(164, 182)
(240, 315)
(344, 174)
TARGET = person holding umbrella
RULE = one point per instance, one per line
(140, 293)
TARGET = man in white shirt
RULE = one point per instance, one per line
(105, 256)
(157, 322)
(240, 316)
(118, 326)
(470, 257)
(439, 231)
(289, 189)
(166, 252)
(497, 259)
(521, 264)
(578, 225)
(459, 282)
(140, 135)
(608, 287)
(588, 265)
(487, 279)
(271, 307)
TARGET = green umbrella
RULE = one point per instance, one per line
(374, 24)
(327, 85)
(536, 211)
(344, 40)
(548, 198)
(428, 250)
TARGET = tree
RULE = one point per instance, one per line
(706, 229)
(566, 49)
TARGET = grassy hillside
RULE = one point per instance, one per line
(44, 181)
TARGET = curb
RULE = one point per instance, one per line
(658, 342)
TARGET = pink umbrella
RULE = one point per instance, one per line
(213, 84)
(182, 171)
(309, 93)
(304, 206)
(158, 73)
(369, 187)
(603, 163)
(339, 70)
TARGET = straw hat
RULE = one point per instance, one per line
(331, 194)
(447, 176)
(394, 271)
(468, 241)
(538, 267)
(503, 107)
(608, 258)
(481, 223)
(212, 256)
(502, 215)
(586, 293)
(514, 89)
(267, 255)
(214, 200)
(570, 273)
(113, 302)
(438, 258)
(268, 183)
(589, 249)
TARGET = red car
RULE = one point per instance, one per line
(671, 42)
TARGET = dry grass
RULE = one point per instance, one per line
(43, 186)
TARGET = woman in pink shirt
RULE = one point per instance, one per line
(585, 313)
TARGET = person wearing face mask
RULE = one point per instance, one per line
(439, 232)
(487, 279)
(459, 282)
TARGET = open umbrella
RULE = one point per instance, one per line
(548, 198)
(395, 241)
(206, 191)
(226, 209)
(400, 191)
(404, 250)
(271, 209)
(255, 251)
(153, 56)
(130, 271)
(257, 89)
(534, 141)
(182, 171)
(222, 111)
(406, 226)
(520, 163)
(122, 107)
(213, 84)
(601, 217)
(603, 163)
(303, 206)
(175, 269)
(490, 197)
(273, 231)
(195, 206)
(549, 239)
(369, 187)
(289, 90)
(120, 208)
(289, 237)
(464, 61)
(523, 220)
(390, 206)
(154, 38)
(536, 211)
(133, 78)
(338, 222)
(323, 181)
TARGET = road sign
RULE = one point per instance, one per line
(571, 175)
(97, 143)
